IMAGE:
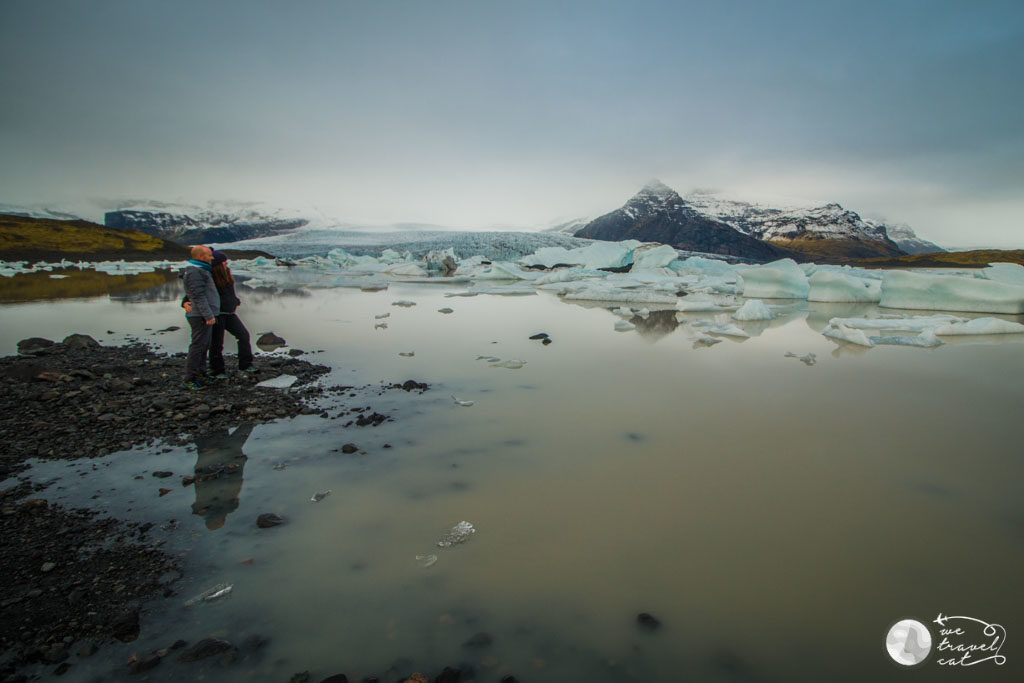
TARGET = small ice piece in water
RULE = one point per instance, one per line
(809, 359)
(426, 560)
(461, 403)
(624, 326)
(753, 309)
(705, 340)
(446, 310)
(623, 312)
(727, 330)
(841, 332)
(279, 382)
(489, 359)
(279, 466)
(375, 287)
(403, 303)
(380, 326)
(511, 364)
(644, 313)
(317, 497)
(459, 533)
(221, 590)
(382, 316)
(406, 354)
(926, 339)
(980, 326)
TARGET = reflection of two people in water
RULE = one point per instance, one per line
(218, 473)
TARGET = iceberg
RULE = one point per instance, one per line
(901, 289)
(698, 265)
(702, 304)
(753, 309)
(841, 332)
(651, 256)
(726, 330)
(592, 256)
(782, 279)
(1010, 273)
(568, 275)
(624, 326)
(917, 323)
(980, 326)
(926, 339)
(838, 287)
(619, 294)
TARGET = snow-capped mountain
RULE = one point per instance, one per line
(658, 214)
(908, 241)
(216, 222)
(821, 232)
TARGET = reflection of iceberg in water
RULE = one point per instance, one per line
(656, 325)
(218, 474)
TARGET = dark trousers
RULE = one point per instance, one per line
(195, 365)
(233, 324)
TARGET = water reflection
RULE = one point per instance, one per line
(218, 473)
(72, 283)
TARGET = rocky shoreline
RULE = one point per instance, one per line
(73, 579)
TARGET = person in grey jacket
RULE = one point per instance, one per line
(205, 307)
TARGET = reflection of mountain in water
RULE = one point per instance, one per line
(78, 284)
(218, 474)
(656, 325)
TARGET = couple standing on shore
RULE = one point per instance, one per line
(210, 303)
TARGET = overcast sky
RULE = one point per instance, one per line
(512, 112)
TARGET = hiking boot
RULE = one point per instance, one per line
(193, 385)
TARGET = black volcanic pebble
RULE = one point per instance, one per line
(647, 620)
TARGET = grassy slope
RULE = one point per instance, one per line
(28, 239)
(978, 258)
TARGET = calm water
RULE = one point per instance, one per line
(777, 518)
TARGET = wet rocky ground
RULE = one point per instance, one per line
(72, 579)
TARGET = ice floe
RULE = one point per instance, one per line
(901, 289)
(753, 309)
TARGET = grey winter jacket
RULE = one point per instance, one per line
(201, 292)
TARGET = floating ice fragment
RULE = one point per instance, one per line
(450, 294)
(461, 403)
(459, 533)
(980, 326)
(624, 326)
(727, 330)
(917, 323)
(406, 354)
(426, 560)
(317, 497)
(901, 289)
(279, 382)
(403, 303)
(446, 310)
(782, 279)
(623, 312)
(279, 466)
(835, 286)
(382, 316)
(511, 364)
(809, 359)
(58, 277)
(221, 590)
(705, 340)
(374, 287)
(489, 359)
(380, 326)
(753, 309)
(841, 332)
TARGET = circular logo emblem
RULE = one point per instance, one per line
(908, 642)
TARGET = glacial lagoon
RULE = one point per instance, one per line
(776, 516)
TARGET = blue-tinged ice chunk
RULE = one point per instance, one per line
(901, 289)
(841, 332)
(651, 256)
(980, 326)
(1010, 273)
(596, 255)
(837, 286)
(782, 279)
(753, 309)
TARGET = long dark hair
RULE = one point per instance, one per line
(222, 276)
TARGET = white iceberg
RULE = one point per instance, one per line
(592, 256)
(980, 326)
(1009, 273)
(652, 256)
(916, 323)
(782, 279)
(901, 289)
(624, 326)
(568, 275)
(839, 287)
(753, 309)
(841, 332)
